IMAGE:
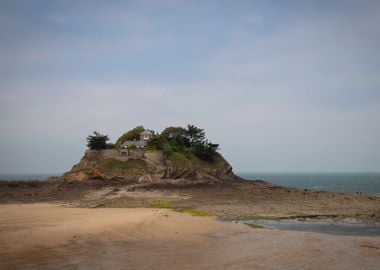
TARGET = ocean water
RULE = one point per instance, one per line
(336, 182)
(345, 227)
(27, 176)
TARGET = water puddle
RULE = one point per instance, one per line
(345, 227)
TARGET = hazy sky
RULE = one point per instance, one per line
(280, 85)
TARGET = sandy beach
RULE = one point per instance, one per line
(53, 236)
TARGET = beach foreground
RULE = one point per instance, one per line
(52, 236)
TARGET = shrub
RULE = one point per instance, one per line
(205, 151)
(178, 159)
(156, 143)
(168, 150)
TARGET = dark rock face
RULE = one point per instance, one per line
(222, 171)
(114, 165)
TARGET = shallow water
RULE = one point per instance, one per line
(27, 176)
(368, 182)
(352, 227)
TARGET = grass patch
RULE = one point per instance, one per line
(178, 159)
(195, 212)
(162, 204)
(112, 164)
(255, 226)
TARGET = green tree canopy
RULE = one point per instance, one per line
(173, 131)
(133, 134)
(97, 141)
(195, 135)
(176, 135)
(189, 141)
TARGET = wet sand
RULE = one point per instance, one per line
(51, 236)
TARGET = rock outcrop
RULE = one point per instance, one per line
(146, 166)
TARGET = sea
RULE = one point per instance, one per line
(364, 182)
(27, 176)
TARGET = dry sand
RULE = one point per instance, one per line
(50, 236)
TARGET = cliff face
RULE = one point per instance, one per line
(139, 165)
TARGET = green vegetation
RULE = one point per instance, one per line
(195, 212)
(256, 226)
(189, 143)
(162, 204)
(98, 141)
(133, 134)
(113, 164)
(178, 144)
(169, 205)
(178, 159)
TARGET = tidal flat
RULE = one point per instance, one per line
(178, 224)
(53, 236)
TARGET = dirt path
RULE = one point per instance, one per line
(48, 236)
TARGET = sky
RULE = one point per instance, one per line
(282, 86)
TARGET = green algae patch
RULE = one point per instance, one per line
(255, 226)
(162, 204)
(194, 212)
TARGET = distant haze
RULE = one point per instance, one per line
(280, 85)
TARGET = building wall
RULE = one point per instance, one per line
(145, 137)
(156, 157)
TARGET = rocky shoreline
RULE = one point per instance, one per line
(227, 199)
(201, 226)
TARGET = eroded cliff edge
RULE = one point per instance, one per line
(145, 166)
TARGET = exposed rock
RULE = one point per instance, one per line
(78, 176)
(145, 166)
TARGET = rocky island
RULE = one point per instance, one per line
(142, 156)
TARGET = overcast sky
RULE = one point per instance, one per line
(280, 85)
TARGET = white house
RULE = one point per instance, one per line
(145, 136)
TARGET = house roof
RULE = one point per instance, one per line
(147, 132)
(137, 143)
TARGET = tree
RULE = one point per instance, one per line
(98, 141)
(206, 150)
(156, 143)
(177, 136)
(195, 135)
